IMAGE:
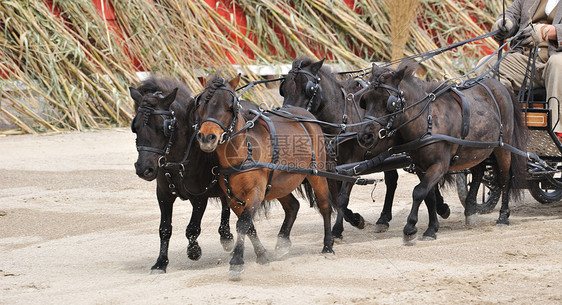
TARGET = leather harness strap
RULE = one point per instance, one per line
(461, 99)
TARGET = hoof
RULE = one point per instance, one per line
(502, 222)
(227, 244)
(361, 222)
(409, 240)
(157, 271)
(282, 247)
(327, 249)
(262, 259)
(429, 237)
(445, 212)
(281, 252)
(235, 272)
(194, 251)
(381, 227)
(471, 219)
(357, 221)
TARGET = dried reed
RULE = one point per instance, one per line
(401, 14)
(70, 72)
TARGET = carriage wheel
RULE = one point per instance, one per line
(489, 192)
(549, 190)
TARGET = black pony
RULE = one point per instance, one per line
(168, 153)
(312, 86)
(446, 127)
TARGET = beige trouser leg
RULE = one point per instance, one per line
(552, 76)
(549, 75)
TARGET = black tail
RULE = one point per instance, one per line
(518, 163)
(305, 190)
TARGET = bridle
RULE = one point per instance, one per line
(169, 127)
(228, 132)
(394, 105)
(313, 90)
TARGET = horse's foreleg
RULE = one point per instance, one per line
(194, 227)
(259, 249)
(166, 205)
(442, 208)
(237, 261)
(391, 182)
(226, 238)
(433, 225)
(354, 219)
(427, 181)
(291, 207)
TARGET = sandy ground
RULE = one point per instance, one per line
(78, 227)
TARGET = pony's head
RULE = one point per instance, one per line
(383, 102)
(217, 109)
(301, 86)
(154, 124)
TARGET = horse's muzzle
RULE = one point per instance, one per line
(147, 173)
(366, 136)
(207, 143)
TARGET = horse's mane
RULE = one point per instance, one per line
(410, 68)
(183, 104)
(165, 85)
(324, 72)
(212, 86)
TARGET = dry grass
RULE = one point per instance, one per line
(71, 73)
(401, 14)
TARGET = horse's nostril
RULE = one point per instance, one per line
(211, 137)
(148, 172)
(199, 136)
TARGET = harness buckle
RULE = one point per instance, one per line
(213, 170)
(431, 97)
(355, 173)
(182, 170)
(161, 161)
(222, 138)
(383, 133)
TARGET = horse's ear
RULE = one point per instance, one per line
(136, 96)
(207, 80)
(233, 83)
(296, 63)
(406, 68)
(170, 98)
(315, 67)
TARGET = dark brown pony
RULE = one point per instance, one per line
(166, 152)
(312, 86)
(427, 117)
(239, 143)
